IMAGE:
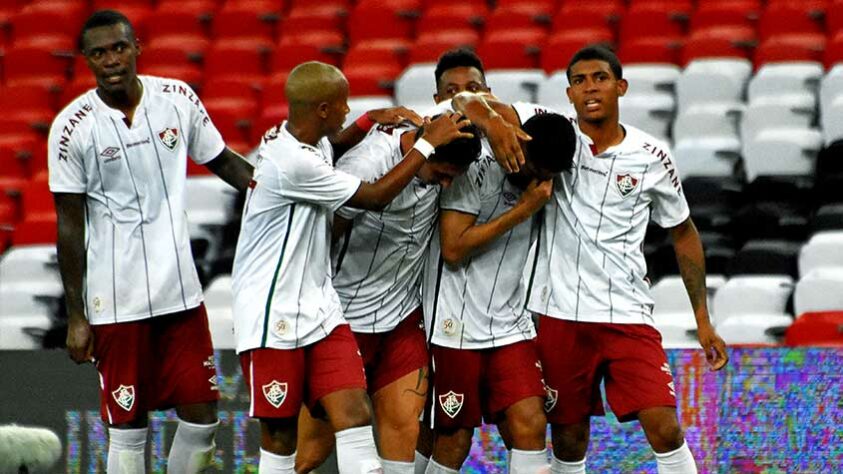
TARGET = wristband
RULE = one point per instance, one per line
(424, 147)
(364, 122)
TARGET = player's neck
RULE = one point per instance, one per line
(604, 135)
(126, 101)
(303, 132)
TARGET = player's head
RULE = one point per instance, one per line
(451, 159)
(596, 82)
(109, 44)
(459, 70)
(550, 152)
(318, 94)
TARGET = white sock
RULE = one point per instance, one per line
(434, 467)
(271, 463)
(528, 462)
(680, 461)
(397, 467)
(356, 452)
(562, 467)
(125, 451)
(193, 448)
(420, 464)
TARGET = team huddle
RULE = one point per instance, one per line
(419, 272)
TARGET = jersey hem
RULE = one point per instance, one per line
(315, 337)
(637, 319)
(498, 342)
(141, 317)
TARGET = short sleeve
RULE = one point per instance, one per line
(205, 142)
(65, 161)
(463, 194)
(526, 110)
(306, 177)
(669, 207)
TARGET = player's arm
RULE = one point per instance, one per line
(461, 237)
(499, 122)
(339, 227)
(70, 246)
(232, 168)
(691, 259)
(377, 195)
(346, 138)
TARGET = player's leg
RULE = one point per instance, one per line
(424, 443)
(457, 408)
(337, 384)
(278, 445)
(639, 385)
(124, 381)
(570, 357)
(315, 441)
(515, 393)
(186, 377)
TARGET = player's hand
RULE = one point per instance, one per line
(505, 140)
(713, 345)
(80, 341)
(445, 129)
(537, 194)
(394, 116)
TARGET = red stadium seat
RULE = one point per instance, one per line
(174, 22)
(782, 18)
(816, 329)
(35, 66)
(39, 214)
(192, 46)
(217, 88)
(608, 13)
(272, 94)
(648, 20)
(564, 21)
(293, 49)
(346, 4)
(371, 79)
(732, 13)
(379, 51)
(58, 45)
(834, 50)
(237, 60)
(237, 23)
(189, 73)
(233, 127)
(561, 46)
(78, 86)
(28, 103)
(163, 56)
(791, 47)
(518, 16)
(452, 16)
(203, 9)
(834, 18)
(266, 9)
(654, 49)
(719, 41)
(137, 15)
(512, 49)
(429, 46)
(372, 19)
(118, 4)
(49, 18)
(315, 18)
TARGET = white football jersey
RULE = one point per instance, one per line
(378, 263)
(591, 265)
(480, 303)
(283, 297)
(139, 262)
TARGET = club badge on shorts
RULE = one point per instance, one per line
(626, 184)
(169, 137)
(275, 393)
(552, 396)
(125, 396)
(451, 403)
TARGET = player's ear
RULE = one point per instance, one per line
(322, 109)
(436, 98)
(623, 85)
(568, 92)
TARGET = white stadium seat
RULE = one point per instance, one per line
(15, 332)
(651, 113)
(752, 294)
(781, 79)
(781, 151)
(708, 81)
(819, 290)
(646, 79)
(360, 105)
(832, 120)
(762, 115)
(515, 85)
(753, 328)
(708, 120)
(552, 93)
(415, 87)
(22, 303)
(210, 200)
(673, 314)
(32, 269)
(707, 156)
(823, 250)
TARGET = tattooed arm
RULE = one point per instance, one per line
(691, 260)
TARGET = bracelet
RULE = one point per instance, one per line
(424, 147)
(364, 122)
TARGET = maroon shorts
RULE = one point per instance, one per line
(154, 364)
(469, 385)
(388, 356)
(577, 356)
(280, 380)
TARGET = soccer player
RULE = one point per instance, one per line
(117, 165)
(484, 360)
(378, 258)
(596, 322)
(459, 70)
(295, 346)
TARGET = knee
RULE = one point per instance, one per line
(353, 414)
(527, 429)
(570, 442)
(309, 460)
(667, 437)
(406, 427)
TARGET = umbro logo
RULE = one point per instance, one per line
(110, 154)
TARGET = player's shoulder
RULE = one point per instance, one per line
(78, 113)
(171, 89)
(646, 146)
(485, 171)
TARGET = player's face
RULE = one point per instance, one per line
(112, 52)
(594, 91)
(441, 173)
(337, 110)
(459, 79)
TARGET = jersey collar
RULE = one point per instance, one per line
(289, 136)
(117, 114)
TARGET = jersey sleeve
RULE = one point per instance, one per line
(464, 193)
(362, 161)
(526, 110)
(204, 140)
(669, 207)
(308, 178)
(65, 160)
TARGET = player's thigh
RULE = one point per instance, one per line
(512, 374)
(124, 372)
(402, 351)
(276, 382)
(336, 380)
(638, 375)
(456, 392)
(401, 402)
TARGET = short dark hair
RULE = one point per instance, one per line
(103, 18)
(554, 142)
(601, 52)
(458, 57)
(460, 152)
